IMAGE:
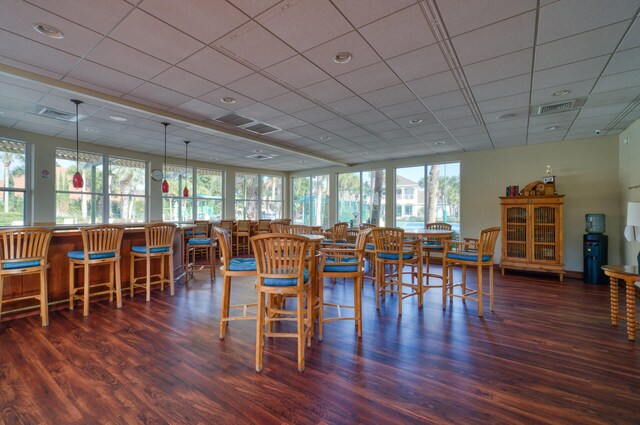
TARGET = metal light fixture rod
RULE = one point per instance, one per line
(165, 183)
(78, 181)
(185, 191)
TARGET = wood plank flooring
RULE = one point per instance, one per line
(547, 355)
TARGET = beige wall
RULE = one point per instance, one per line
(586, 170)
(629, 184)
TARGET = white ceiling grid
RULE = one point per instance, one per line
(421, 73)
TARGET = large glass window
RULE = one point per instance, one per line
(13, 183)
(247, 196)
(209, 194)
(127, 200)
(311, 200)
(205, 199)
(86, 204)
(271, 197)
(361, 197)
(437, 200)
(176, 207)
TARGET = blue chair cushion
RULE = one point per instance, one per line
(342, 268)
(21, 264)
(143, 249)
(190, 233)
(199, 241)
(431, 243)
(79, 255)
(242, 264)
(370, 247)
(285, 281)
(467, 256)
(329, 241)
(384, 256)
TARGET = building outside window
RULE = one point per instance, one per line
(361, 197)
(310, 200)
(84, 205)
(13, 182)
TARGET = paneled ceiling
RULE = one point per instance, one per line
(425, 77)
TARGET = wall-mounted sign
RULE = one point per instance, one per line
(44, 174)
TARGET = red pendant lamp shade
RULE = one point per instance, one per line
(165, 183)
(185, 191)
(78, 181)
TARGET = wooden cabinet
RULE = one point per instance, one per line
(532, 233)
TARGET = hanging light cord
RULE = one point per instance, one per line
(166, 124)
(77, 102)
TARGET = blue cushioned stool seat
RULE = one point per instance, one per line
(285, 281)
(342, 267)
(407, 256)
(370, 247)
(432, 243)
(190, 233)
(143, 249)
(79, 255)
(21, 264)
(242, 264)
(467, 256)
(199, 241)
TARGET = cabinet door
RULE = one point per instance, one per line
(545, 233)
(515, 232)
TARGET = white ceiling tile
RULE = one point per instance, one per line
(99, 15)
(370, 78)
(214, 66)
(460, 123)
(289, 102)
(382, 126)
(257, 87)
(506, 87)
(33, 127)
(505, 142)
(490, 41)
(105, 77)
(297, 72)
(445, 100)
(617, 81)
(602, 41)
(306, 24)
(184, 82)
(167, 43)
(404, 109)
(101, 89)
(599, 111)
(504, 103)
(253, 7)
(433, 84)
(518, 113)
(627, 94)
(256, 45)
(362, 54)
(578, 71)
(285, 122)
(399, 33)
(626, 60)
(144, 101)
(118, 56)
(32, 53)
(569, 17)
(499, 68)
(201, 109)
(20, 93)
(478, 13)
(456, 112)
(351, 105)
(632, 38)
(368, 117)
(519, 123)
(314, 115)
(576, 90)
(205, 20)
(328, 91)
(215, 98)
(335, 124)
(259, 112)
(419, 63)
(362, 12)
(552, 119)
(389, 96)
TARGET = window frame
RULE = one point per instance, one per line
(360, 200)
(193, 193)
(107, 189)
(26, 191)
(311, 191)
(259, 200)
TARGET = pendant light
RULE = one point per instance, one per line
(185, 191)
(78, 181)
(165, 183)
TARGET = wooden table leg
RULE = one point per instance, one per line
(613, 291)
(631, 310)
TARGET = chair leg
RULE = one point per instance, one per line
(214, 261)
(148, 263)
(44, 298)
(399, 280)
(301, 339)
(111, 282)
(309, 321)
(444, 285)
(163, 279)
(480, 291)
(377, 281)
(210, 257)
(171, 285)
(259, 331)
(132, 276)
(85, 307)
(1, 292)
(491, 286)
(186, 264)
(224, 311)
(118, 285)
(357, 291)
(321, 306)
(71, 278)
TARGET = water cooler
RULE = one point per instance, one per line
(595, 248)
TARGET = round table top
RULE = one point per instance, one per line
(313, 238)
(622, 270)
(428, 232)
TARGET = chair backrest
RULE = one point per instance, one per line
(159, 235)
(103, 238)
(367, 226)
(224, 242)
(264, 225)
(352, 235)
(438, 226)
(361, 239)
(388, 240)
(285, 220)
(244, 226)
(487, 241)
(277, 227)
(27, 243)
(339, 232)
(226, 224)
(297, 229)
(280, 256)
(201, 226)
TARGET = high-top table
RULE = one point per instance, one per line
(630, 275)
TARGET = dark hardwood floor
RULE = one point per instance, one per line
(547, 355)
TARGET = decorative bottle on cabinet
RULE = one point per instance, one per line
(532, 233)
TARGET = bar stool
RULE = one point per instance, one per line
(200, 243)
(101, 246)
(232, 267)
(243, 233)
(158, 245)
(24, 252)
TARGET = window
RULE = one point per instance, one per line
(209, 200)
(205, 200)
(258, 196)
(176, 207)
(438, 200)
(127, 200)
(13, 183)
(246, 196)
(310, 200)
(271, 197)
(84, 205)
(398, 193)
(361, 197)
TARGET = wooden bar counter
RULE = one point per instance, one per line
(67, 239)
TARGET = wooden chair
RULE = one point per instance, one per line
(227, 225)
(431, 246)
(475, 253)
(393, 251)
(24, 252)
(264, 226)
(298, 229)
(242, 235)
(367, 226)
(101, 247)
(158, 245)
(352, 235)
(201, 243)
(338, 234)
(345, 263)
(280, 263)
(201, 228)
(232, 267)
(277, 227)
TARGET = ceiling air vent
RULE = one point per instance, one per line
(234, 119)
(553, 108)
(259, 157)
(55, 114)
(262, 128)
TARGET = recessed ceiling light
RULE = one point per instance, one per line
(440, 142)
(91, 130)
(48, 30)
(561, 93)
(415, 121)
(342, 57)
(214, 159)
(257, 151)
(302, 161)
(505, 116)
(364, 153)
(552, 127)
(325, 137)
(228, 99)
(117, 118)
